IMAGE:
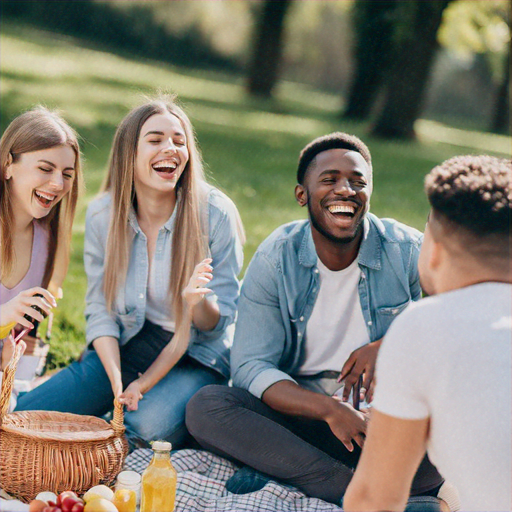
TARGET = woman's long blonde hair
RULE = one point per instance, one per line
(190, 236)
(36, 130)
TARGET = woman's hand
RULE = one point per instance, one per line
(196, 290)
(8, 350)
(131, 395)
(21, 305)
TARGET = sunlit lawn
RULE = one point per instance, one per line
(250, 147)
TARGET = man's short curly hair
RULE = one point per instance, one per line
(336, 140)
(473, 192)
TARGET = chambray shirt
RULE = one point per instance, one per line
(210, 348)
(281, 286)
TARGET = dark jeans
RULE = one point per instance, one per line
(304, 453)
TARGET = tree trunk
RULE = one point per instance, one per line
(267, 48)
(409, 73)
(373, 22)
(501, 114)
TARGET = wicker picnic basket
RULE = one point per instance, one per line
(54, 451)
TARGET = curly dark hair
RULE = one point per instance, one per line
(473, 192)
(336, 140)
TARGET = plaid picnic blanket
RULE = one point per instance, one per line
(201, 486)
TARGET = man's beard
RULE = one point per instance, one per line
(330, 236)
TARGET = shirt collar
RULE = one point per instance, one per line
(134, 223)
(369, 251)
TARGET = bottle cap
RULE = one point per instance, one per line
(128, 478)
(162, 446)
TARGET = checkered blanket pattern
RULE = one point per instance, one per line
(201, 486)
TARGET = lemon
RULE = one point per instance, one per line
(100, 505)
(98, 491)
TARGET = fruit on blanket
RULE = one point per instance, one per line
(63, 495)
(98, 491)
(37, 506)
(78, 507)
(47, 496)
(68, 502)
(100, 505)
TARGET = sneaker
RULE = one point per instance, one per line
(246, 480)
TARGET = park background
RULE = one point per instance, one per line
(418, 80)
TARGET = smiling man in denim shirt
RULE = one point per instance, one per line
(317, 299)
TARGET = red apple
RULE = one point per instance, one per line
(62, 495)
(78, 507)
(68, 502)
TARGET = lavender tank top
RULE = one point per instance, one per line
(35, 273)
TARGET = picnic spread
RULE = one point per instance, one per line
(201, 487)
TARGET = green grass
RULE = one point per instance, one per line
(250, 147)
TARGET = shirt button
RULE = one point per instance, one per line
(314, 289)
(213, 361)
(141, 295)
(316, 271)
(299, 334)
(370, 322)
(301, 319)
(363, 275)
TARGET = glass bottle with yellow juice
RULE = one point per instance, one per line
(159, 481)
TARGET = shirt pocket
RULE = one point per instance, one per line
(392, 311)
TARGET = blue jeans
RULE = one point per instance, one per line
(84, 388)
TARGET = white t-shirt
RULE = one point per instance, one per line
(158, 305)
(336, 327)
(449, 358)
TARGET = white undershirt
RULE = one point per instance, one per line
(336, 326)
(158, 303)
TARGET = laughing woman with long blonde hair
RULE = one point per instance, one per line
(162, 253)
(39, 187)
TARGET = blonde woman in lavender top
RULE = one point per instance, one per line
(39, 182)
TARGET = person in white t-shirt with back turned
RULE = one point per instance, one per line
(444, 368)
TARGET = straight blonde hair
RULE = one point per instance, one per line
(190, 236)
(35, 130)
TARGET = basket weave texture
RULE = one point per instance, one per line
(55, 451)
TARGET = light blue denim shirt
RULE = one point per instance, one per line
(281, 286)
(210, 348)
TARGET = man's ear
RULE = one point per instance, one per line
(301, 195)
(437, 253)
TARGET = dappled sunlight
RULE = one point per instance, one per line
(250, 146)
(478, 142)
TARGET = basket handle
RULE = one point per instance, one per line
(8, 381)
(117, 421)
